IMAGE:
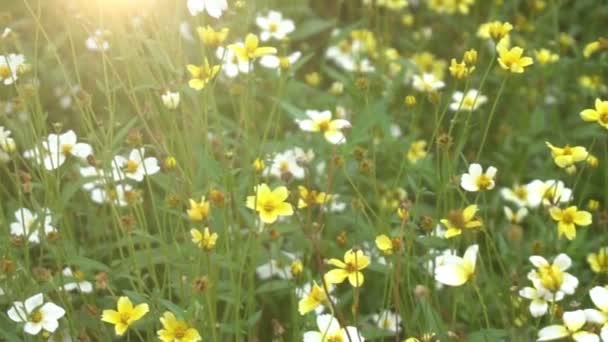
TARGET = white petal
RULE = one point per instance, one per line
(584, 336)
(599, 296)
(32, 328)
(538, 261)
(82, 150)
(574, 320)
(468, 183)
(33, 302)
(562, 261)
(552, 332)
(313, 336)
(17, 312)
(538, 307)
(327, 323)
(52, 311)
(528, 293)
(335, 137)
(475, 170)
(595, 316)
(452, 275)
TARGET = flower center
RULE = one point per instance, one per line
(284, 166)
(66, 149)
(125, 317)
(284, 62)
(36, 317)
(484, 182)
(468, 102)
(131, 166)
(350, 267)
(268, 207)
(521, 193)
(604, 117)
(5, 71)
(79, 275)
(179, 332)
(324, 126)
(273, 27)
(337, 337)
(567, 218)
(551, 277)
(456, 219)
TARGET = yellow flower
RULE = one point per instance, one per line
(351, 268)
(387, 245)
(567, 220)
(198, 210)
(599, 114)
(204, 239)
(176, 331)
(566, 156)
(251, 49)
(125, 316)
(512, 60)
(460, 70)
(458, 220)
(470, 57)
(591, 48)
(311, 197)
(270, 203)
(312, 300)
(201, 75)
(544, 56)
(210, 37)
(599, 261)
(296, 268)
(495, 30)
(417, 151)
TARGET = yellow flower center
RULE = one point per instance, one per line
(5, 71)
(79, 275)
(521, 193)
(334, 338)
(66, 149)
(273, 27)
(36, 317)
(468, 102)
(268, 207)
(324, 126)
(284, 63)
(567, 217)
(456, 219)
(551, 277)
(180, 331)
(125, 317)
(484, 182)
(604, 117)
(350, 267)
(567, 150)
(284, 166)
(131, 166)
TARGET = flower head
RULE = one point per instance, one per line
(567, 220)
(274, 26)
(599, 261)
(427, 83)
(417, 151)
(572, 327)
(251, 49)
(470, 101)
(322, 122)
(135, 166)
(354, 262)
(312, 300)
(210, 37)
(566, 156)
(456, 271)
(201, 75)
(599, 114)
(79, 283)
(58, 147)
(311, 197)
(198, 211)
(459, 220)
(330, 331)
(512, 59)
(175, 330)
(30, 225)
(477, 180)
(270, 204)
(539, 299)
(36, 314)
(125, 315)
(553, 276)
(205, 239)
(10, 68)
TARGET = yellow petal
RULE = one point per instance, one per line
(556, 213)
(124, 304)
(110, 316)
(335, 276)
(582, 218)
(356, 279)
(590, 115)
(469, 212)
(139, 311)
(306, 305)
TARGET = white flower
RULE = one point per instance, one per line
(322, 122)
(79, 284)
(170, 99)
(134, 167)
(456, 271)
(549, 193)
(275, 268)
(573, 323)
(469, 102)
(342, 57)
(395, 131)
(599, 297)
(427, 83)
(477, 180)
(516, 217)
(388, 320)
(553, 277)
(518, 195)
(28, 224)
(117, 194)
(213, 7)
(59, 147)
(98, 41)
(286, 163)
(36, 314)
(95, 177)
(539, 299)
(274, 26)
(280, 63)
(231, 65)
(10, 66)
(7, 144)
(330, 330)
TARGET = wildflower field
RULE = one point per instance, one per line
(303, 170)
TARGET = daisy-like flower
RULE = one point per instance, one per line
(387, 320)
(212, 38)
(599, 261)
(459, 220)
(10, 68)
(231, 65)
(214, 8)
(134, 167)
(79, 283)
(330, 330)
(477, 180)
(553, 277)
(469, 102)
(456, 271)
(354, 262)
(518, 195)
(251, 49)
(280, 63)
(512, 59)
(29, 224)
(311, 298)
(322, 122)
(417, 151)
(572, 327)
(539, 299)
(205, 239)
(98, 41)
(59, 147)
(599, 297)
(286, 163)
(175, 330)
(497, 30)
(549, 193)
(170, 99)
(599, 114)
(198, 211)
(427, 83)
(567, 220)
(202, 74)
(125, 315)
(515, 217)
(270, 204)
(311, 197)
(36, 314)
(120, 195)
(274, 26)
(567, 156)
